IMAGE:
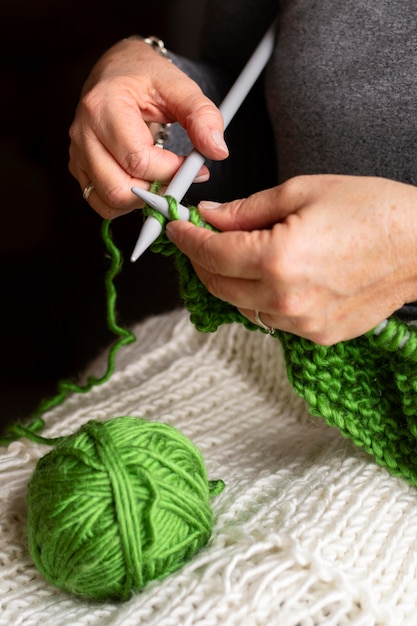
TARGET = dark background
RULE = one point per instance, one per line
(52, 259)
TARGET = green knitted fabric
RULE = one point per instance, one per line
(366, 387)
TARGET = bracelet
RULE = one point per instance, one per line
(158, 45)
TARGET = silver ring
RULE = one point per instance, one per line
(270, 329)
(88, 190)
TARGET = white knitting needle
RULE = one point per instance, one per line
(160, 203)
(182, 180)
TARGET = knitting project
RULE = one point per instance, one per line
(366, 387)
(308, 531)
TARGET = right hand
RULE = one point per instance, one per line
(326, 257)
(111, 144)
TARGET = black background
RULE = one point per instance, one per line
(52, 259)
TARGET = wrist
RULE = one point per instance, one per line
(404, 235)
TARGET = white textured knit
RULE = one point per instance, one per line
(308, 530)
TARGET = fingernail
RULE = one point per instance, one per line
(218, 139)
(207, 204)
(202, 178)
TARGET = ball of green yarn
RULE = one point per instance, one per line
(117, 504)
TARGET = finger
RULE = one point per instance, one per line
(200, 117)
(112, 195)
(269, 320)
(230, 265)
(131, 144)
(230, 254)
(97, 202)
(260, 210)
(240, 292)
(247, 295)
(187, 105)
(110, 200)
(113, 184)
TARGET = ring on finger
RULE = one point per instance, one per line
(270, 329)
(87, 191)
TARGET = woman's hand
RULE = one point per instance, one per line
(112, 146)
(324, 257)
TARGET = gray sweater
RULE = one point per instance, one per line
(340, 90)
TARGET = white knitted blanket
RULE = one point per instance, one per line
(308, 530)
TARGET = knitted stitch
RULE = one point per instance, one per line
(308, 531)
(265, 554)
(366, 387)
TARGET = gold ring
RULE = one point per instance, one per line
(269, 329)
(88, 190)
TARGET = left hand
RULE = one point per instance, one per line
(112, 145)
(325, 257)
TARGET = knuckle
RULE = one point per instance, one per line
(115, 196)
(320, 334)
(211, 284)
(237, 213)
(137, 163)
(292, 188)
(199, 116)
(324, 339)
(279, 267)
(90, 102)
(206, 257)
(311, 328)
(106, 212)
(198, 106)
(72, 131)
(304, 318)
(290, 306)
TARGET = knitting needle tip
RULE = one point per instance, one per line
(152, 199)
(187, 172)
(149, 233)
(151, 229)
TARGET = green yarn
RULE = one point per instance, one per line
(365, 387)
(123, 502)
(207, 312)
(117, 504)
(65, 387)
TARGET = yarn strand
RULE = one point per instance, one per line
(120, 502)
(65, 387)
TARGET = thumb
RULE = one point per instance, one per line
(200, 117)
(259, 211)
